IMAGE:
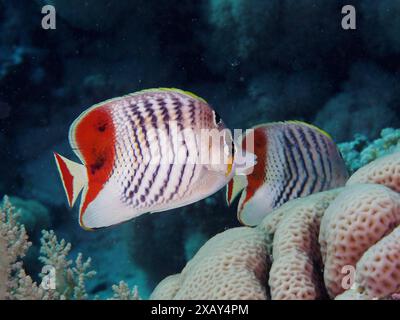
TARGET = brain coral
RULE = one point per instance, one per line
(354, 228)
(314, 204)
(167, 288)
(360, 216)
(231, 265)
(296, 267)
(385, 171)
(378, 271)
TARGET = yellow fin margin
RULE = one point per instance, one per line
(311, 126)
(295, 122)
(187, 93)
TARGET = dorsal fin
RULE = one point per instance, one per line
(180, 91)
(294, 122)
(73, 176)
(310, 126)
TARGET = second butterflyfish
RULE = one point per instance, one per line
(294, 159)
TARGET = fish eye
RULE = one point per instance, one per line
(217, 118)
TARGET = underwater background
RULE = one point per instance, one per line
(254, 61)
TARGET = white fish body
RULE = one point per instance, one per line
(145, 152)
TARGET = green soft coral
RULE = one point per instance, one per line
(361, 151)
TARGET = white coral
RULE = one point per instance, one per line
(231, 265)
(167, 288)
(71, 276)
(384, 171)
(123, 292)
(296, 268)
(359, 217)
(13, 247)
(378, 271)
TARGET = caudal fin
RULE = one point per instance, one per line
(73, 176)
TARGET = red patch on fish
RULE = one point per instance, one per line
(230, 190)
(95, 139)
(257, 177)
(67, 177)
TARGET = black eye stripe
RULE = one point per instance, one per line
(217, 118)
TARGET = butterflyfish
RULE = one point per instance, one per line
(149, 151)
(294, 159)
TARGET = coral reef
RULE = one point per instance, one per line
(361, 151)
(359, 217)
(231, 265)
(123, 292)
(167, 288)
(197, 223)
(295, 271)
(378, 270)
(312, 243)
(69, 276)
(384, 171)
(315, 204)
(13, 246)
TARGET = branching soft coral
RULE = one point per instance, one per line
(13, 247)
(70, 276)
(360, 152)
(122, 292)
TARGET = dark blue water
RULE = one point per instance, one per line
(255, 61)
